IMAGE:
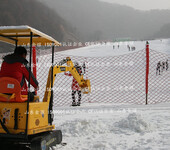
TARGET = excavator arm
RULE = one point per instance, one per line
(84, 84)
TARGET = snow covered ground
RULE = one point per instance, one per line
(115, 126)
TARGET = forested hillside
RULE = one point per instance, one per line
(97, 20)
(37, 15)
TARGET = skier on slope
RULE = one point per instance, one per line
(167, 66)
(158, 68)
(128, 47)
(113, 47)
(75, 86)
(163, 66)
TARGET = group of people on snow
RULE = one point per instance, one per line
(161, 66)
(130, 48)
(117, 46)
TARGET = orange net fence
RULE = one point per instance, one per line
(115, 79)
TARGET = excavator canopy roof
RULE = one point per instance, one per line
(20, 35)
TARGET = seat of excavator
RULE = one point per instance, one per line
(10, 90)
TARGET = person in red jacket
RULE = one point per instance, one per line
(16, 66)
(75, 86)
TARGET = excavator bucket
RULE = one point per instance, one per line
(86, 87)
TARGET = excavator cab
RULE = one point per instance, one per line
(27, 124)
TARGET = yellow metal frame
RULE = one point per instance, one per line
(84, 84)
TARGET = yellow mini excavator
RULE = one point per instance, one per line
(29, 125)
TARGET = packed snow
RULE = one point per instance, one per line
(114, 126)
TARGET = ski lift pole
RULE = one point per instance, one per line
(147, 70)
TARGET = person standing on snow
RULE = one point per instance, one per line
(158, 68)
(128, 47)
(75, 86)
(166, 63)
(113, 47)
(163, 66)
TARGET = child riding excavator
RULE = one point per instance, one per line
(19, 128)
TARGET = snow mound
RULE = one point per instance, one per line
(84, 127)
(134, 122)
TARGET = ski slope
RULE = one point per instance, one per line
(115, 126)
(104, 50)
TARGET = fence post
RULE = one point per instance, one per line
(147, 70)
(34, 63)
